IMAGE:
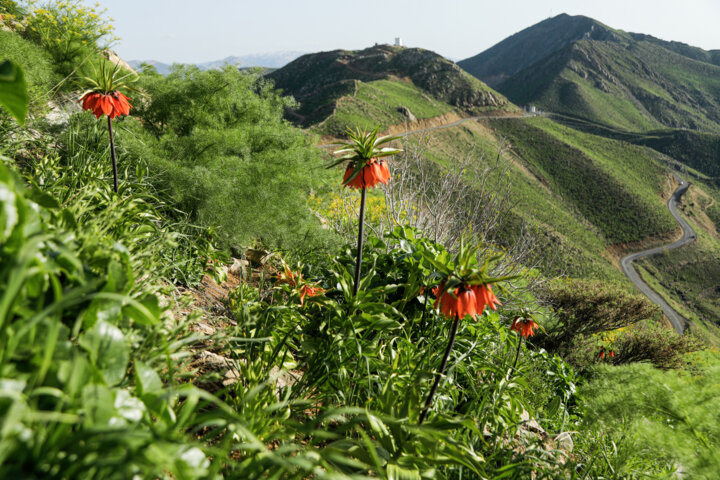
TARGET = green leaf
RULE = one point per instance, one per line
(13, 90)
(9, 215)
(108, 351)
(396, 472)
(43, 199)
(98, 405)
(147, 381)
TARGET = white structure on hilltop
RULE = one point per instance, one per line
(398, 42)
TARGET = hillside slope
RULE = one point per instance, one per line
(382, 80)
(585, 69)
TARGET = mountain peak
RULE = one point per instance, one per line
(534, 43)
(576, 66)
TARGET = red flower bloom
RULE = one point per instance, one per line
(612, 354)
(465, 300)
(310, 291)
(447, 302)
(485, 296)
(375, 171)
(524, 326)
(466, 303)
(602, 353)
(288, 276)
(111, 104)
(296, 281)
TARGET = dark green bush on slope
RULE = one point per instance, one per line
(216, 143)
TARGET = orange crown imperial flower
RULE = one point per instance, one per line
(112, 104)
(524, 326)
(465, 300)
(310, 291)
(288, 276)
(364, 152)
(103, 96)
(373, 172)
(300, 286)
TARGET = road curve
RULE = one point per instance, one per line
(679, 322)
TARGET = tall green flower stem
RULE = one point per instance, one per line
(358, 261)
(439, 374)
(517, 356)
(112, 155)
(365, 168)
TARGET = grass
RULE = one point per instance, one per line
(36, 63)
(662, 414)
(594, 184)
(377, 103)
(558, 224)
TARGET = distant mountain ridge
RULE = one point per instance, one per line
(577, 66)
(387, 77)
(266, 60)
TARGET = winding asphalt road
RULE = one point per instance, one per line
(679, 322)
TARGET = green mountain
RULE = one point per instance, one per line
(576, 66)
(383, 83)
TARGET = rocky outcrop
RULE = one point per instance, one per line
(115, 58)
(406, 111)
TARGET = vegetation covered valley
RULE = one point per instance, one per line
(218, 313)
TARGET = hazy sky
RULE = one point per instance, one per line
(204, 30)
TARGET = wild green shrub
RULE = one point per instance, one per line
(11, 8)
(377, 352)
(161, 240)
(216, 143)
(659, 345)
(584, 308)
(70, 31)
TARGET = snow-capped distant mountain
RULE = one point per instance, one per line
(267, 60)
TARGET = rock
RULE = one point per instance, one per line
(257, 257)
(62, 108)
(115, 58)
(202, 327)
(231, 376)
(406, 111)
(239, 268)
(531, 424)
(284, 378)
(564, 441)
(213, 360)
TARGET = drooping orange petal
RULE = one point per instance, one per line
(356, 182)
(528, 328)
(121, 103)
(97, 108)
(106, 105)
(385, 172)
(467, 303)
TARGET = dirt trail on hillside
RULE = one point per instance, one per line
(422, 125)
